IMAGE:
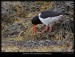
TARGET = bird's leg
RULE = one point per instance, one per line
(34, 29)
(43, 31)
(50, 28)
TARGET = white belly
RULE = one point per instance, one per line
(50, 20)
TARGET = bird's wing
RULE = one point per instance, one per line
(46, 14)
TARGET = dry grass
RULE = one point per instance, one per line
(51, 48)
(24, 17)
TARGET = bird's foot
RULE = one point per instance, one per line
(42, 32)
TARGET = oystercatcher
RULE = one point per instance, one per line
(47, 18)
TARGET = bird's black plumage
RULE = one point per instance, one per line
(46, 14)
(36, 20)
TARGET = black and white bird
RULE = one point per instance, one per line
(47, 18)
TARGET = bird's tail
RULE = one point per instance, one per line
(66, 14)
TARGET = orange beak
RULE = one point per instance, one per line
(34, 29)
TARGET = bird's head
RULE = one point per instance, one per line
(35, 21)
